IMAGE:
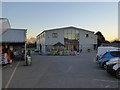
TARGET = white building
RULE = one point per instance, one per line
(4, 24)
(72, 38)
(13, 39)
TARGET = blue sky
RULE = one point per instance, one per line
(38, 16)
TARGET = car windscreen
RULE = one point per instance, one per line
(115, 54)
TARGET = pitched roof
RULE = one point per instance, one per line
(13, 36)
(65, 28)
(58, 44)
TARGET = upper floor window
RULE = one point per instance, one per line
(43, 35)
(40, 36)
(86, 35)
(54, 35)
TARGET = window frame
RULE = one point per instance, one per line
(86, 35)
(54, 35)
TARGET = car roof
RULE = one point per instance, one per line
(113, 51)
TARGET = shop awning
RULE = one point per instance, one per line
(13, 36)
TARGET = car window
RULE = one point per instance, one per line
(115, 54)
(105, 54)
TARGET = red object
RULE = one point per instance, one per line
(102, 58)
(72, 53)
(10, 61)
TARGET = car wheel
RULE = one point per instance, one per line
(104, 65)
(118, 73)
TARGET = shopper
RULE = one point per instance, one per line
(9, 56)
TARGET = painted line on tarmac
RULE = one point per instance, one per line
(9, 81)
(112, 81)
(69, 69)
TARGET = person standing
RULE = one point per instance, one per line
(8, 56)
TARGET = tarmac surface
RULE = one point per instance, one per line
(79, 71)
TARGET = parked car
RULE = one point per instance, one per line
(107, 56)
(36, 50)
(102, 50)
(113, 67)
(4, 61)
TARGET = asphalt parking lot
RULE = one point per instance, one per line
(58, 72)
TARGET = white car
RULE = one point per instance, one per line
(36, 50)
(113, 67)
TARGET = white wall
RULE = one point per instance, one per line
(87, 42)
(41, 40)
(4, 24)
(50, 40)
(37, 43)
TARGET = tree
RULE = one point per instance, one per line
(100, 38)
(115, 40)
(106, 41)
(31, 40)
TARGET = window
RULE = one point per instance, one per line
(115, 54)
(86, 35)
(105, 53)
(71, 39)
(54, 35)
(43, 35)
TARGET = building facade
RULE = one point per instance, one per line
(4, 25)
(71, 38)
(12, 39)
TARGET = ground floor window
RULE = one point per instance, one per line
(50, 48)
(71, 39)
(73, 46)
